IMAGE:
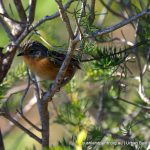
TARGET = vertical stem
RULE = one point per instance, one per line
(44, 117)
(43, 113)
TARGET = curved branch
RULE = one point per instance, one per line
(7, 116)
(121, 24)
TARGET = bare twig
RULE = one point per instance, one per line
(44, 115)
(26, 109)
(103, 13)
(72, 45)
(53, 16)
(21, 11)
(2, 8)
(92, 12)
(142, 4)
(61, 73)
(15, 27)
(25, 92)
(16, 21)
(7, 116)
(32, 6)
(111, 10)
(28, 121)
(134, 104)
(78, 29)
(65, 18)
(121, 24)
(78, 21)
(6, 28)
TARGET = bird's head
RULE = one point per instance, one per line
(33, 49)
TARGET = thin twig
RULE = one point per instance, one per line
(53, 16)
(43, 113)
(15, 27)
(111, 10)
(2, 8)
(142, 4)
(92, 12)
(6, 28)
(7, 116)
(119, 25)
(57, 84)
(16, 21)
(32, 6)
(21, 11)
(28, 121)
(65, 18)
(78, 21)
(134, 104)
(25, 92)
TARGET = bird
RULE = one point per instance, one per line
(46, 63)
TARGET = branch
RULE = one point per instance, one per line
(4, 15)
(78, 21)
(17, 117)
(15, 27)
(142, 94)
(9, 55)
(43, 113)
(6, 28)
(32, 6)
(21, 11)
(92, 12)
(53, 16)
(142, 4)
(65, 18)
(134, 104)
(7, 116)
(25, 92)
(72, 44)
(2, 8)
(119, 25)
(29, 122)
(111, 10)
(57, 83)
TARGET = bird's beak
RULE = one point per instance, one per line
(21, 54)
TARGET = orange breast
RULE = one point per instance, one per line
(44, 68)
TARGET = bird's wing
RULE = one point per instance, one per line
(58, 58)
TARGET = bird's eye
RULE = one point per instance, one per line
(32, 52)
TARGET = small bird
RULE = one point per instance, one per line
(46, 63)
